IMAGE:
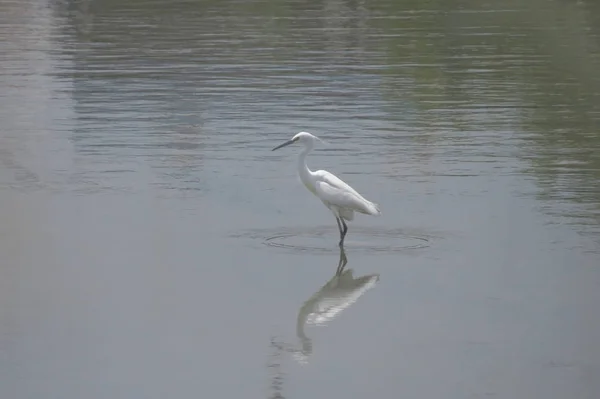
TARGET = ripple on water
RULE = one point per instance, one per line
(324, 239)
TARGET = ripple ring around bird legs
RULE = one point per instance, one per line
(324, 239)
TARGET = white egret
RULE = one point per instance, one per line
(338, 196)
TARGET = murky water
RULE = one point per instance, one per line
(153, 246)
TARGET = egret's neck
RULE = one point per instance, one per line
(302, 166)
(306, 175)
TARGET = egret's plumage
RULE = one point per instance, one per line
(337, 195)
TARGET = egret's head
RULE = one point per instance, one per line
(303, 138)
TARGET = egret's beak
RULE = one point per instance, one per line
(283, 145)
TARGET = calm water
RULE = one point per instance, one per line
(153, 246)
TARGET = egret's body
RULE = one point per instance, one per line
(338, 196)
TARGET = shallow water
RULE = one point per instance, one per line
(153, 245)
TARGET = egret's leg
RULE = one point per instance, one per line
(343, 232)
(342, 263)
(337, 219)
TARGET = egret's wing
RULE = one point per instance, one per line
(336, 182)
(343, 198)
(340, 190)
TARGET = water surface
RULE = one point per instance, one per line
(153, 246)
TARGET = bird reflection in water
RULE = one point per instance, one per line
(337, 294)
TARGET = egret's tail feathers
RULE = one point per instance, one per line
(373, 209)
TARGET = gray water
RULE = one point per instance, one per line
(154, 247)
